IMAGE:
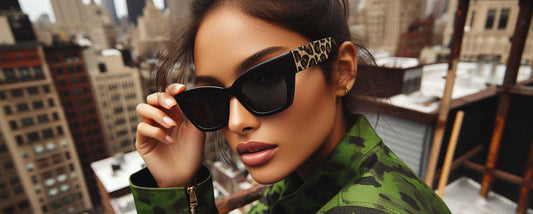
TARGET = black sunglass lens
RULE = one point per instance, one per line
(266, 91)
(207, 109)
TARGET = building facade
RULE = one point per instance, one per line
(41, 172)
(117, 89)
(37, 137)
(151, 35)
(74, 20)
(488, 32)
(68, 70)
(385, 20)
(135, 9)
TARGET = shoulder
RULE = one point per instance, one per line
(385, 185)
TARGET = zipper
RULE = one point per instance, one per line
(193, 200)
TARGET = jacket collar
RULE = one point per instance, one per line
(340, 168)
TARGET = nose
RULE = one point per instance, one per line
(241, 120)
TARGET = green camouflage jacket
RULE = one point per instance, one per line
(361, 175)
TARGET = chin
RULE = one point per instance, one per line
(263, 175)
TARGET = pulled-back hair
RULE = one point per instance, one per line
(313, 19)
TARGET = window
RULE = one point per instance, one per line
(28, 121)
(48, 133)
(73, 80)
(67, 155)
(13, 124)
(102, 68)
(79, 68)
(8, 165)
(24, 73)
(504, 15)
(38, 104)
(30, 167)
(33, 90)
(77, 91)
(22, 107)
(9, 74)
(59, 70)
(55, 116)
(51, 102)
(62, 82)
(56, 158)
(490, 19)
(14, 179)
(32, 136)
(42, 162)
(43, 118)
(71, 70)
(2, 95)
(19, 140)
(38, 149)
(59, 130)
(3, 148)
(7, 110)
(38, 72)
(18, 190)
(51, 146)
(46, 89)
(24, 205)
(16, 93)
(2, 183)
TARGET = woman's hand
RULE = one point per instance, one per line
(171, 147)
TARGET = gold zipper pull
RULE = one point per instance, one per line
(193, 200)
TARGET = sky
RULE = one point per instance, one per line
(34, 8)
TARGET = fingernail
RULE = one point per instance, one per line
(179, 86)
(169, 139)
(170, 102)
(169, 121)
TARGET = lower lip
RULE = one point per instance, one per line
(258, 158)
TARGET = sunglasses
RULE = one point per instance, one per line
(265, 89)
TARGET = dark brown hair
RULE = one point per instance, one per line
(313, 19)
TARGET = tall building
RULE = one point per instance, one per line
(41, 172)
(68, 70)
(109, 5)
(117, 89)
(488, 32)
(419, 35)
(70, 16)
(74, 20)
(135, 9)
(385, 20)
(151, 35)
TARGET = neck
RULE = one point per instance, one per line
(337, 133)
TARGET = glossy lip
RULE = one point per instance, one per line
(254, 153)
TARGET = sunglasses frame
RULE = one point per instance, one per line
(291, 62)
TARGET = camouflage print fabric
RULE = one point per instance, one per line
(361, 175)
(150, 199)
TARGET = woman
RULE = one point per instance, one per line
(271, 76)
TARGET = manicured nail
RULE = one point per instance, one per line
(170, 102)
(169, 121)
(179, 86)
(169, 139)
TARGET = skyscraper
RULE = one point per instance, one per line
(109, 5)
(117, 89)
(135, 9)
(41, 172)
(68, 70)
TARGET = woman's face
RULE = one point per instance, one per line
(271, 147)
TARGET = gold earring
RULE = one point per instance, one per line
(346, 90)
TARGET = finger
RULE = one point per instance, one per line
(161, 99)
(148, 113)
(175, 88)
(145, 130)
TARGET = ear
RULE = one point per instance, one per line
(345, 68)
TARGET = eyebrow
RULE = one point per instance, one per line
(243, 66)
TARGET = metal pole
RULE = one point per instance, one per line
(457, 40)
(511, 72)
